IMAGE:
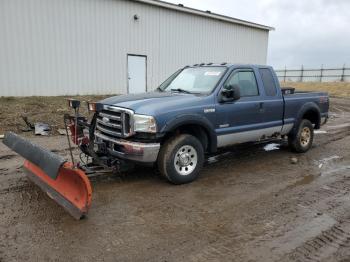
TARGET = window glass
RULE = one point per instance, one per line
(268, 81)
(246, 81)
(169, 80)
(195, 79)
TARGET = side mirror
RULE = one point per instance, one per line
(230, 93)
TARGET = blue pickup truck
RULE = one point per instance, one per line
(200, 109)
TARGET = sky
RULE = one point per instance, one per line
(308, 32)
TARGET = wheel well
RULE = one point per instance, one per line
(196, 130)
(313, 117)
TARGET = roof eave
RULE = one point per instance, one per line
(205, 14)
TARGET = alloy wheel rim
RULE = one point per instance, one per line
(305, 136)
(186, 159)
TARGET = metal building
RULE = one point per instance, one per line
(69, 47)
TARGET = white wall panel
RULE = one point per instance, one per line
(69, 47)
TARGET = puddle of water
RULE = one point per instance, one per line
(300, 234)
(336, 170)
(339, 126)
(271, 147)
(323, 162)
(304, 181)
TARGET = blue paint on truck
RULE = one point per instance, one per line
(214, 105)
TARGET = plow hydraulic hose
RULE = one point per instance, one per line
(67, 185)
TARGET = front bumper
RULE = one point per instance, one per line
(133, 151)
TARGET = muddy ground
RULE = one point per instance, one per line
(248, 205)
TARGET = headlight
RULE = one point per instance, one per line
(145, 124)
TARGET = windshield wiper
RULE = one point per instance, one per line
(181, 91)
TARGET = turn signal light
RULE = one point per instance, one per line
(91, 106)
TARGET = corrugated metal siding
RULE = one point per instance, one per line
(69, 47)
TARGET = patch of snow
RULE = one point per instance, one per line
(328, 159)
(212, 159)
(271, 147)
(320, 132)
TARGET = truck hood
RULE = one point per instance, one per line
(154, 102)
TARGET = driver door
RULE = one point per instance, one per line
(241, 120)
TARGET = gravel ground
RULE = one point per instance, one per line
(248, 205)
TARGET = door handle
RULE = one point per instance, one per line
(261, 107)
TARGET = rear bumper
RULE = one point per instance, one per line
(133, 151)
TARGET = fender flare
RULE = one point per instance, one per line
(310, 106)
(193, 119)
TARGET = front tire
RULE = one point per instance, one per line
(181, 158)
(302, 140)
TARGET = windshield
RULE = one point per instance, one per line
(197, 80)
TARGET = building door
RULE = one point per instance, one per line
(137, 70)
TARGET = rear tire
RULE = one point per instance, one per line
(302, 140)
(181, 158)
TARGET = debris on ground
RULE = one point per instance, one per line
(30, 126)
(62, 131)
(26, 129)
(41, 129)
(294, 160)
(38, 109)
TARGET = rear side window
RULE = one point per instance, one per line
(268, 81)
(246, 81)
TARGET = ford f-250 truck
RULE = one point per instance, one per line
(200, 109)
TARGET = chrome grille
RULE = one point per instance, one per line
(114, 122)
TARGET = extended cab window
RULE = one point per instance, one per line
(246, 81)
(268, 81)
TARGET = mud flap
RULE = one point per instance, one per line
(67, 185)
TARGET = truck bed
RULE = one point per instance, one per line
(295, 100)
